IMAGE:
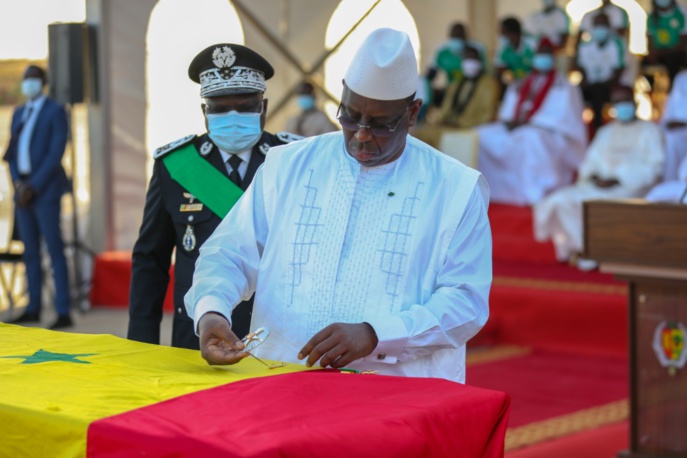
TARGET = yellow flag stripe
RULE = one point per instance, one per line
(49, 392)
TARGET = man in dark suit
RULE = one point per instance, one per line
(37, 144)
(195, 182)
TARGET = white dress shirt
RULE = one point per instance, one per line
(24, 146)
(243, 166)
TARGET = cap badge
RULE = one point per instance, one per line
(223, 57)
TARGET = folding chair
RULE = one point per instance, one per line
(12, 281)
(11, 266)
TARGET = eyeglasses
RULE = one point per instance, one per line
(241, 108)
(376, 131)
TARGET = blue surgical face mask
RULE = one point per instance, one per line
(234, 132)
(664, 3)
(504, 41)
(543, 62)
(305, 102)
(32, 87)
(625, 111)
(456, 45)
(600, 33)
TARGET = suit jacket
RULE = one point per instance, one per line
(48, 141)
(163, 228)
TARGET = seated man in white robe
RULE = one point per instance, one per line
(540, 138)
(365, 248)
(624, 160)
(674, 122)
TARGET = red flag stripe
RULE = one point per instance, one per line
(316, 413)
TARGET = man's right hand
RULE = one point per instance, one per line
(218, 344)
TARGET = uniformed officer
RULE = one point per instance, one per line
(196, 180)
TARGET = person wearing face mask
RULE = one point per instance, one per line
(624, 160)
(618, 19)
(311, 120)
(39, 134)
(448, 59)
(551, 22)
(514, 53)
(472, 100)
(365, 248)
(601, 62)
(195, 182)
(667, 36)
(539, 139)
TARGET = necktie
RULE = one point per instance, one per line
(24, 119)
(235, 176)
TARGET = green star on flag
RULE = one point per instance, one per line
(42, 356)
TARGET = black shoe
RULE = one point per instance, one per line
(63, 321)
(27, 317)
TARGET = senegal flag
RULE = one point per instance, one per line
(75, 395)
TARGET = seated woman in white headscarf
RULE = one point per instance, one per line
(624, 160)
(540, 138)
(674, 122)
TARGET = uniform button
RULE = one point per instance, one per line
(190, 218)
(381, 356)
(179, 310)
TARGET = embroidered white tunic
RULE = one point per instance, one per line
(405, 246)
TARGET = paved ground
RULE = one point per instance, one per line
(101, 320)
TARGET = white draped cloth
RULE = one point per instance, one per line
(676, 139)
(674, 191)
(632, 153)
(524, 164)
(405, 247)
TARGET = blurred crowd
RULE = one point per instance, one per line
(552, 116)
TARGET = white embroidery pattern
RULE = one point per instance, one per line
(398, 234)
(304, 241)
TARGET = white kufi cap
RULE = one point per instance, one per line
(384, 68)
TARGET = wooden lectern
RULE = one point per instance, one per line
(646, 245)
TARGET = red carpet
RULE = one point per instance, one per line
(545, 384)
(603, 442)
(569, 394)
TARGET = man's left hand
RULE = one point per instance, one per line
(340, 344)
(25, 194)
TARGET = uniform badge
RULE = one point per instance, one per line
(205, 148)
(191, 207)
(264, 148)
(189, 239)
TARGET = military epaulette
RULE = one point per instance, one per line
(288, 137)
(169, 147)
